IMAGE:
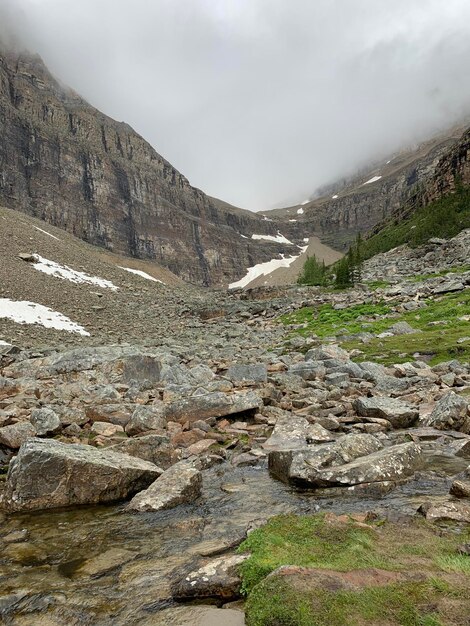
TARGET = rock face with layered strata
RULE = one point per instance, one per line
(72, 166)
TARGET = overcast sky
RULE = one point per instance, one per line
(259, 102)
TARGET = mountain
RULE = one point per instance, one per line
(364, 201)
(65, 162)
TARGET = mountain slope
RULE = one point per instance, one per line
(374, 195)
(65, 162)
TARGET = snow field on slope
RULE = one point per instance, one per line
(67, 273)
(141, 274)
(279, 238)
(25, 312)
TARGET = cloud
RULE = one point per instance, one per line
(260, 102)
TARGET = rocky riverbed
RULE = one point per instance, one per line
(133, 471)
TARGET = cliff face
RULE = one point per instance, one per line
(359, 206)
(65, 162)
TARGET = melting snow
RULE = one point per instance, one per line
(372, 180)
(67, 273)
(24, 312)
(264, 268)
(46, 233)
(278, 239)
(300, 211)
(142, 274)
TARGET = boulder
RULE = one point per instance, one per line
(45, 422)
(449, 413)
(153, 448)
(308, 370)
(48, 474)
(290, 432)
(179, 484)
(388, 464)
(218, 578)
(305, 464)
(250, 374)
(400, 414)
(458, 511)
(147, 417)
(14, 435)
(215, 404)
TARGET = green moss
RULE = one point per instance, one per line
(322, 543)
(273, 603)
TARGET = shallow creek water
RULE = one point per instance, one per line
(102, 565)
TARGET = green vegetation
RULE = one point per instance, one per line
(438, 341)
(325, 321)
(342, 545)
(313, 273)
(453, 270)
(444, 218)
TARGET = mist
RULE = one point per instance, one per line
(260, 102)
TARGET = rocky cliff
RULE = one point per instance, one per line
(69, 164)
(369, 199)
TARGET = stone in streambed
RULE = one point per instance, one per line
(48, 474)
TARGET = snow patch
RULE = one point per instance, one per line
(4, 343)
(292, 220)
(389, 161)
(278, 239)
(374, 179)
(24, 312)
(300, 211)
(141, 274)
(244, 236)
(266, 218)
(67, 273)
(262, 269)
(46, 233)
(306, 240)
(305, 202)
(335, 196)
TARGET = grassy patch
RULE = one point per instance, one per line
(326, 321)
(319, 542)
(438, 342)
(274, 603)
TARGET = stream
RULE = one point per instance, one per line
(103, 565)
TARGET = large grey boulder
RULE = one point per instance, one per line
(147, 417)
(308, 370)
(249, 374)
(45, 422)
(388, 464)
(400, 414)
(154, 448)
(215, 404)
(304, 465)
(14, 435)
(180, 484)
(48, 474)
(290, 432)
(449, 413)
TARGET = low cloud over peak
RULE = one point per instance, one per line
(260, 102)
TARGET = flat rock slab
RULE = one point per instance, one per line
(400, 414)
(48, 474)
(458, 511)
(449, 413)
(180, 484)
(214, 404)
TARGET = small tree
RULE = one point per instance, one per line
(313, 273)
(343, 277)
